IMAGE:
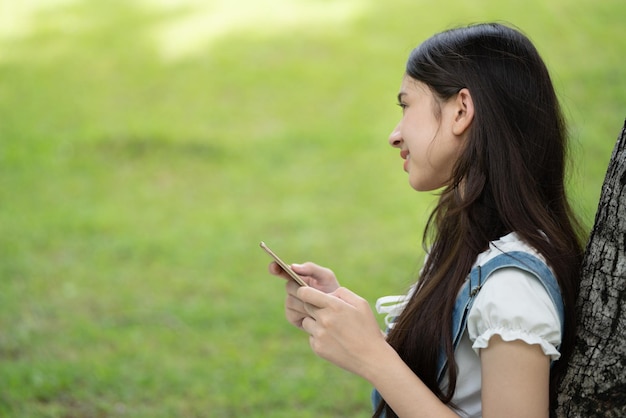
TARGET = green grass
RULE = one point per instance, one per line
(146, 149)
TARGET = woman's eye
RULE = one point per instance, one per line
(402, 105)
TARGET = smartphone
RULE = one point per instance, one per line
(283, 265)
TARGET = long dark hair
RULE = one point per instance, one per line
(509, 178)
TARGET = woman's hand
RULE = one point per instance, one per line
(318, 277)
(342, 329)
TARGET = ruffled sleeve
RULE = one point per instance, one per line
(514, 305)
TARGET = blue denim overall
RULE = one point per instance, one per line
(474, 282)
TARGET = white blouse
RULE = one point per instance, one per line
(512, 304)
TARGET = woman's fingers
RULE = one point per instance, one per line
(351, 298)
(277, 270)
(314, 275)
(294, 307)
(307, 324)
(321, 281)
(291, 287)
(314, 298)
(319, 277)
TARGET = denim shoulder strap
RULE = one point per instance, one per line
(477, 278)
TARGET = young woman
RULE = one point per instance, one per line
(487, 328)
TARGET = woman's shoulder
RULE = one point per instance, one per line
(506, 244)
(514, 304)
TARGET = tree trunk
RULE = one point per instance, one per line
(595, 383)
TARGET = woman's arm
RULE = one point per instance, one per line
(515, 379)
(515, 383)
(516, 328)
(403, 391)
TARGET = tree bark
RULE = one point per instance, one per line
(595, 383)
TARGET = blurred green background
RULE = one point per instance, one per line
(146, 147)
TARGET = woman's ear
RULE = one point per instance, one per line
(464, 108)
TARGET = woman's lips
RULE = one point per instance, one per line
(405, 156)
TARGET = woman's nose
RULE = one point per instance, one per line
(395, 139)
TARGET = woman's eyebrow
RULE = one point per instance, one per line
(401, 95)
